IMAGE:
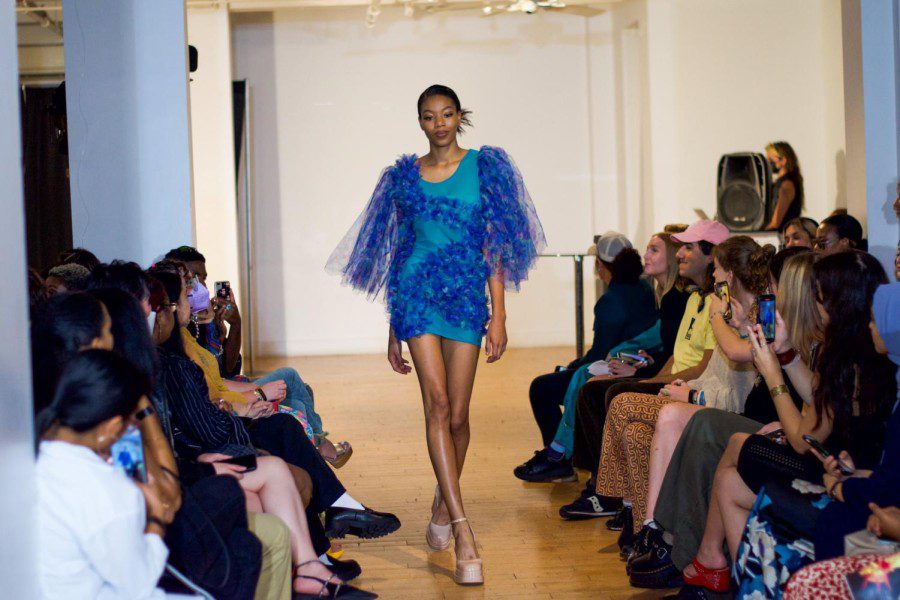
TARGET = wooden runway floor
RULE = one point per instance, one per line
(528, 551)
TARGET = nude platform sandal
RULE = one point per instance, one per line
(469, 571)
(438, 537)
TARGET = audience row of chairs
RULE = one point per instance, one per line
(737, 412)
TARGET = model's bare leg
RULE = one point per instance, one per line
(430, 369)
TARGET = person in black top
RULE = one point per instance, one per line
(787, 190)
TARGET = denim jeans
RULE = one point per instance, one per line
(298, 395)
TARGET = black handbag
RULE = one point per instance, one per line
(762, 460)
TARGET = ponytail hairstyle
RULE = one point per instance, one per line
(848, 367)
(796, 302)
(95, 386)
(443, 90)
(748, 261)
(172, 283)
(62, 326)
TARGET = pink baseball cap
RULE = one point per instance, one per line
(703, 230)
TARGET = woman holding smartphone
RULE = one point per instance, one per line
(105, 528)
(438, 230)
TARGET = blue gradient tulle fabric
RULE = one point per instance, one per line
(495, 232)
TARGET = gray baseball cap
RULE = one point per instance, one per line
(610, 244)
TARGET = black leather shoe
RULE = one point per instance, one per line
(366, 523)
(622, 518)
(346, 570)
(654, 568)
(540, 469)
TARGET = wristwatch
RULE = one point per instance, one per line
(144, 413)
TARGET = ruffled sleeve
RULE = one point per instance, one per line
(364, 256)
(513, 234)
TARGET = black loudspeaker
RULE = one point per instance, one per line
(743, 190)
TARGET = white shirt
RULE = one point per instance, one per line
(91, 520)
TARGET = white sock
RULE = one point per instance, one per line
(347, 501)
(626, 502)
(651, 523)
(324, 560)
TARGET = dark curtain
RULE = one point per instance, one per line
(48, 210)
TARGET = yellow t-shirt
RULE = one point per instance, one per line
(695, 335)
(206, 361)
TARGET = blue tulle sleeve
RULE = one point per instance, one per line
(513, 233)
(364, 256)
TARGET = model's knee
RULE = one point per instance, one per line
(437, 408)
(459, 425)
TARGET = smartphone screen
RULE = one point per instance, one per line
(248, 460)
(723, 293)
(222, 288)
(128, 454)
(766, 316)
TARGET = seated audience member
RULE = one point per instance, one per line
(62, 326)
(656, 344)
(799, 233)
(742, 265)
(125, 276)
(100, 533)
(283, 385)
(626, 309)
(692, 351)
(787, 189)
(846, 408)
(838, 233)
(66, 278)
(78, 256)
(209, 499)
(688, 444)
(219, 431)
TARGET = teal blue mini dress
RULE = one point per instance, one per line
(432, 247)
(434, 236)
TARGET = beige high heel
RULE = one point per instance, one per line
(469, 571)
(438, 537)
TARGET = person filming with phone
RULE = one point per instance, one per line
(108, 531)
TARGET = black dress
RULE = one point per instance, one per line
(796, 205)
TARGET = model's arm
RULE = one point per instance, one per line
(786, 195)
(495, 342)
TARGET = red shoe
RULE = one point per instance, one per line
(717, 580)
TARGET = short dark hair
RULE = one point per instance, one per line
(442, 90)
(78, 256)
(122, 275)
(777, 264)
(95, 386)
(173, 284)
(847, 227)
(626, 267)
(186, 254)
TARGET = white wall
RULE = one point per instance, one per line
(129, 127)
(732, 76)
(334, 103)
(18, 552)
(212, 141)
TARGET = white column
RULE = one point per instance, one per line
(879, 28)
(129, 126)
(17, 493)
(212, 135)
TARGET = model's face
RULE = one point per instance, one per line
(655, 262)
(828, 241)
(439, 119)
(795, 236)
(692, 263)
(775, 161)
